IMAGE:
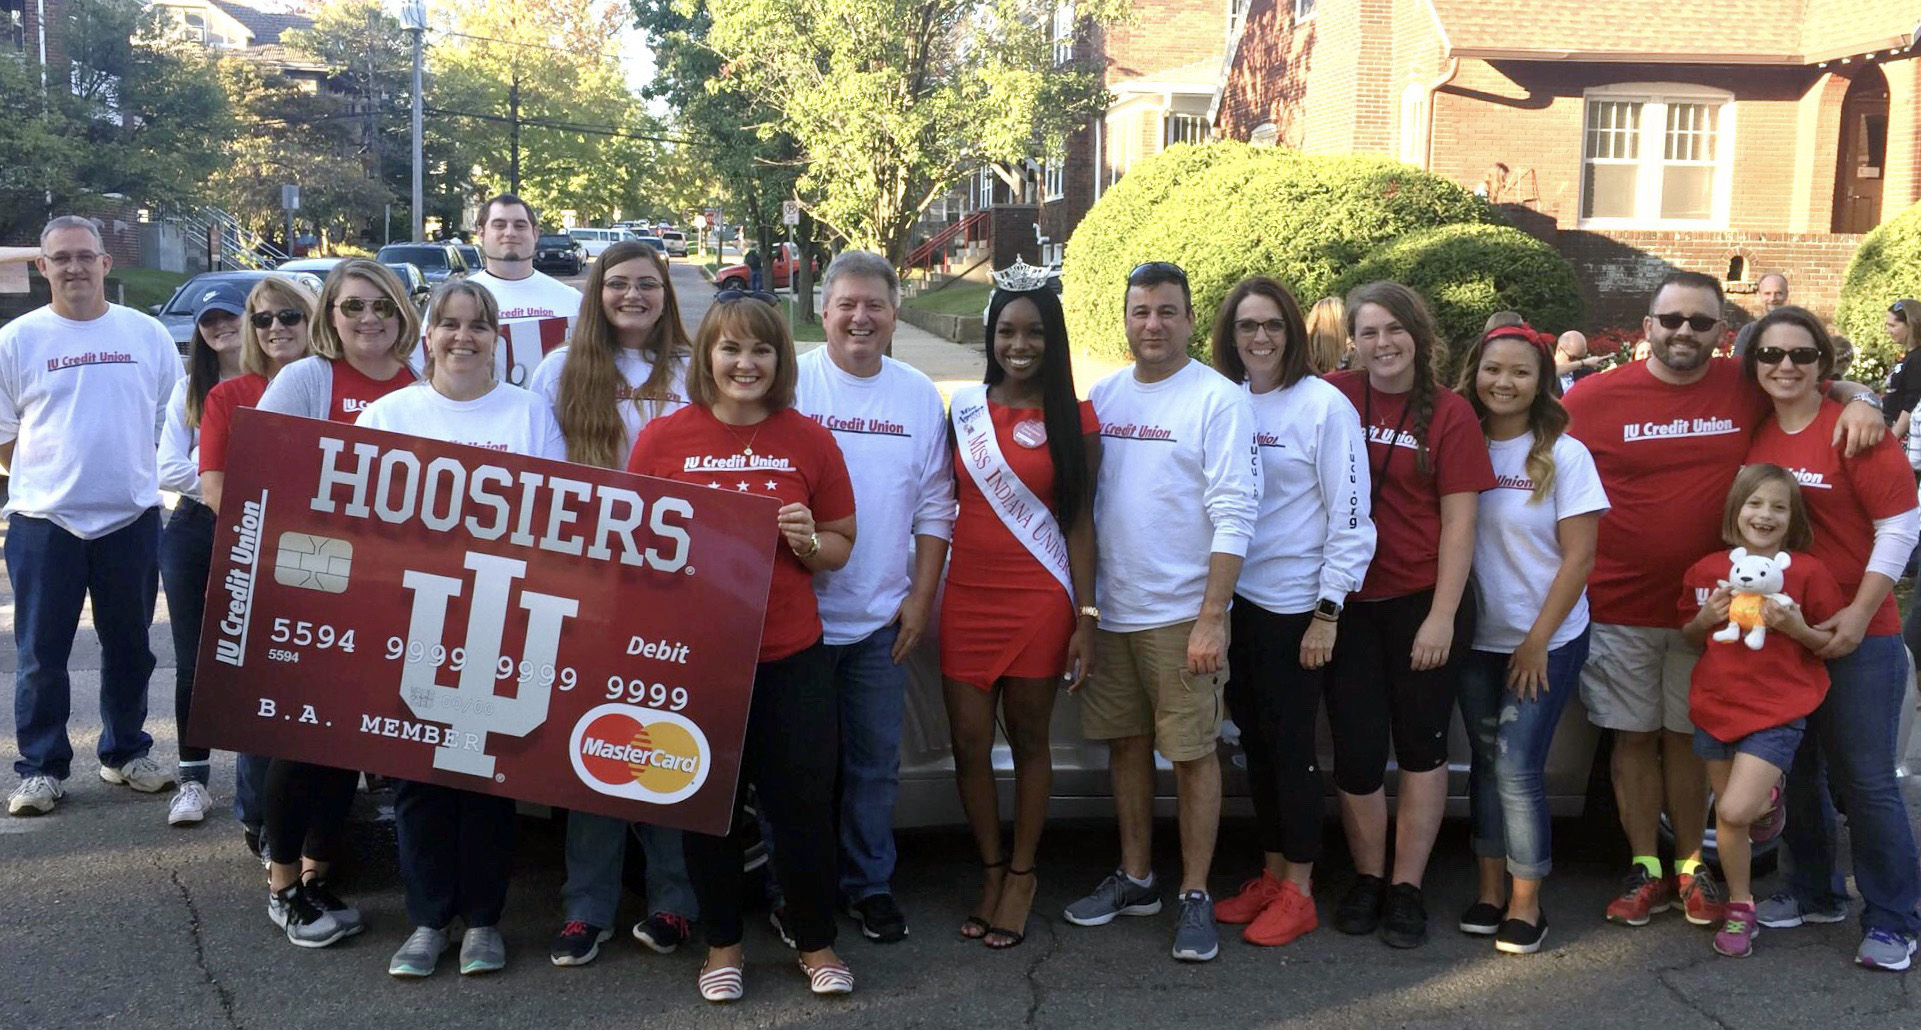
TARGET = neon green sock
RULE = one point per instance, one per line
(1649, 863)
(1688, 866)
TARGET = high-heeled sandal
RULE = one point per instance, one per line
(974, 927)
(1014, 938)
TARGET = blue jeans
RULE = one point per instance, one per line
(1852, 737)
(1507, 800)
(53, 573)
(596, 853)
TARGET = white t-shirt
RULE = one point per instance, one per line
(506, 418)
(179, 447)
(83, 403)
(1180, 480)
(1313, 538)
(635, 412)
(1517, 545)
(892, 430)
(526, 300)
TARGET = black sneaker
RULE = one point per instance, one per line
(578, 944)
(880, 919)
(1518, 938)
(1360, 911)
(1482, 919)
(663, 932)
(1404, 919)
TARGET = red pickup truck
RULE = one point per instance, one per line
(776, 277)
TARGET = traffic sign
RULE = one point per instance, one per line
(790, 212)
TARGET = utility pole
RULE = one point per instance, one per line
(513, 131)
(414, 14)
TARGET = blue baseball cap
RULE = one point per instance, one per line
(228, 296)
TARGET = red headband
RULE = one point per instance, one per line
(1543, 342)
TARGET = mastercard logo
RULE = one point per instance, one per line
(639, 753)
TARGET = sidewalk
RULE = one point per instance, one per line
(952, 365)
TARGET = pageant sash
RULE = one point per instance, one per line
(1031, 522)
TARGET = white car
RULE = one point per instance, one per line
(676, 242)
(594, 241)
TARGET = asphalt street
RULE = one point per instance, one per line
(111, 918)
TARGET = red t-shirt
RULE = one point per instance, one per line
(1844, 497)
(216, 416)
(1667, 456)
(1407, 502)
(353, 391)
(795, 460)
(1734, 691)
(992, 553)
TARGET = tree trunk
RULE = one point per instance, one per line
(804, 270)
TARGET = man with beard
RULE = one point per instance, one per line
(508, 228)
(1668, 435)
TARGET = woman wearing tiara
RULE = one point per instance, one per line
(1018, 618)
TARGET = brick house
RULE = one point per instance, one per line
(1733, 137)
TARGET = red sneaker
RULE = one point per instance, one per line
(1247, 903)
(1705, 900)
(1645, 895)
(1291, 915)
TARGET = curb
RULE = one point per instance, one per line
(959, 329)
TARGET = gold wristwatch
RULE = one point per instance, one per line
(1090, 612)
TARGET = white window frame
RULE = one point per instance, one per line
(1303, 10)
(1172, 119)
(1063, 33)
(984, 189)
(1654, 98)
(1053, 180)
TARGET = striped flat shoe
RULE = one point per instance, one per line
(832, 978)
(722, 984)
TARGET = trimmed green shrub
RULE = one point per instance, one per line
(1226, 211)
(1467, 272)
(1886, 268)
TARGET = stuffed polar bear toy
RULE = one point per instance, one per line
(1755, 579)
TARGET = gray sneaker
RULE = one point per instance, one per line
(1885, 949)
(1116, 896)
(142, 774)
(36, 795)
(419, 955)
(1196, 938)
(307, 925)
(1782, 912)
(482, 951)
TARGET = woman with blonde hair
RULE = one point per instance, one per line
(1328, 346)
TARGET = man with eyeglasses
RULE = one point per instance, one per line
(1668, 435)
(84, 386)
(508, 229)
(1174, 509)
(1773, 292)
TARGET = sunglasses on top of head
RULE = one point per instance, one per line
(1698, 323)
(353, 306)
(1157, 270)
(1776, 355)
(760, 295)
(286, 317)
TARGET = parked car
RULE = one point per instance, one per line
(676, 242)
(597, 240)
(177, 313)
(471, 255)
(414, 279)
(319, 266)
(659, 245)
(561, 253)
(438, 261)
(737, 277)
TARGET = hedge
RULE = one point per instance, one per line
(1886, 268)
(1467, 272)
(1226, 211)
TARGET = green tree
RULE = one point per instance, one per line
(371, 58)
(893, 101)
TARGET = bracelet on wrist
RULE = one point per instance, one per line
(813, 547)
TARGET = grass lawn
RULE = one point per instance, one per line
(806, 332)
(148, 286)
(960, 298)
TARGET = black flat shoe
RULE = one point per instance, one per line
(1519, 938)
(1482, 919)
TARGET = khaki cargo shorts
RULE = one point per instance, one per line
(1141, 686)
(1636, 679)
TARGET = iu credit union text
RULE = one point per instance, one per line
(488, 502)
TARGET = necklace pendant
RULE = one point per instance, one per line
(747, 451)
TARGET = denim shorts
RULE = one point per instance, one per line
(1775, 747)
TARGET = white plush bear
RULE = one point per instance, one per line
(1756, 579)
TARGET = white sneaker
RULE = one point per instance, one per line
(142, 774)
(36, 795)
(190, 804)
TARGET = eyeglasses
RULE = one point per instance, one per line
(1156, 270)
(1698, 323)
(64, 259)
(1775, 355)
(620, 286)
(352, 307)
(1276, 328)
(760, 295)
(287, 317)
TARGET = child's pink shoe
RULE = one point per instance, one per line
(1735, 939)
(1772, 821)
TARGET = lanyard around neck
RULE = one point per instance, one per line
(1367, 417)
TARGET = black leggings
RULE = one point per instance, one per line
(186, 554)
(791, 756)
(1275, 702)
(1373, 693)
(306, 810)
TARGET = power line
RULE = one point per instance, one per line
(592, 130)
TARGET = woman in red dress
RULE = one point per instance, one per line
(1022, 561)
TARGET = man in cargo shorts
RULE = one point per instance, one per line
(1173, 512)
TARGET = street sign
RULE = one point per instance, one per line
(790, 212)
(290, 197)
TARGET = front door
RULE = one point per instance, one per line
(1862, 165)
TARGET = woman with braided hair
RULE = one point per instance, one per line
(1396, 666)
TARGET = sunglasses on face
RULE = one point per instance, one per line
(1775, 355)
(1156, 270)
(352, 307)
(1698, 323)
(1248, 327)
(286, 317)
(760, 295)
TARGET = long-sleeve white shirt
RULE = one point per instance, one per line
(1314, 536)
(1180, 480)
(179, 447)
(892, 430)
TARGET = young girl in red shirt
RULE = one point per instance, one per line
(1750, 704)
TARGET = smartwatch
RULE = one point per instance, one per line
(1327, 611)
